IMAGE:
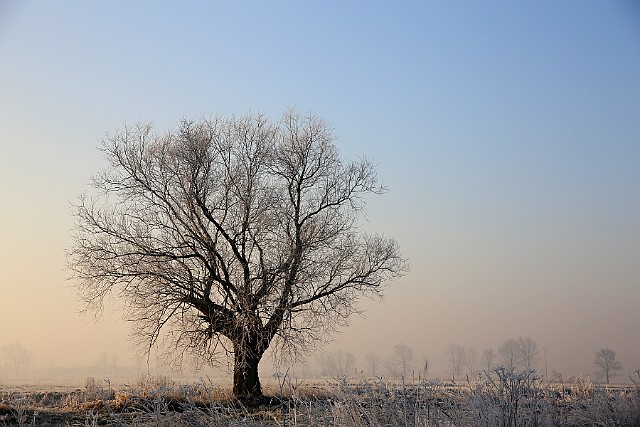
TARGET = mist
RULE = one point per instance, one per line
(507, 139)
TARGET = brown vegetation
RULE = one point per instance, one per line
(161, 402)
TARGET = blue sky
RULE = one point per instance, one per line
(508, 134)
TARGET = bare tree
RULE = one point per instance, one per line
(510, 353)
(373, 359)
(528, 352)
(472, 360)
(230, 236)
(457, 356)
(15, 359)
(403, 361)
(327, 365)
(488, 359)
(606, 363)
(338, 363)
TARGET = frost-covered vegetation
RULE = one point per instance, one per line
(504, 398)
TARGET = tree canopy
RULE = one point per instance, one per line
(231, 235)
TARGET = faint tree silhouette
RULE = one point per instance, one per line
(528, 353)
(373, 360)
(338, 363)
(488, 360)
(472, 360)
(606, 363)
(403, 360)
(15, 359)
(510, 354)
(457, 356)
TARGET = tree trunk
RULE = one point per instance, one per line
(246, 381)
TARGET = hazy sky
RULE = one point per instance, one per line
(508, 134)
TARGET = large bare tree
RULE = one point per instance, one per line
(231, 235)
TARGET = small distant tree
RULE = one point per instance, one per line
(457, 355)
(15, 359)
(403, 360)
(472, 360)
(349, 364)
(488, 359)
(528, 353)
(606, 363)
(327, 365)
(373, 360)
(510, 354)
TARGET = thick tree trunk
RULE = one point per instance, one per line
(246, 381)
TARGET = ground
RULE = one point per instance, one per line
(338, 402)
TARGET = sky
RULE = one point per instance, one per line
(508, 134)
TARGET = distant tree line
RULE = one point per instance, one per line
(520, 354)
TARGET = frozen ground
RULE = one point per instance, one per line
(502, 400)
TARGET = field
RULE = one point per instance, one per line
(503, 400)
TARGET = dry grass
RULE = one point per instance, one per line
(159, 401)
